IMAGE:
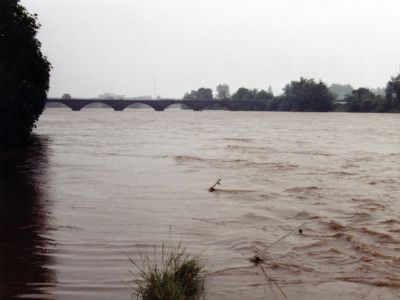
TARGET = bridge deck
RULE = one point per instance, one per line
(160, 105)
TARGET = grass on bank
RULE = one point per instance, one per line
(176, 275)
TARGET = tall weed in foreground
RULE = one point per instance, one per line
(174, 276)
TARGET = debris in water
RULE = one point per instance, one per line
(271, 282)
(252, 259)
(256, 260)
(212, 188)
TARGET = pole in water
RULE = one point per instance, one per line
(212, 188)
(256, 258)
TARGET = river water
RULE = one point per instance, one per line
(98, 187)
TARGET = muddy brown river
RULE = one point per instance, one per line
(99, 187)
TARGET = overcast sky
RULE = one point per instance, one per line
(130, 47)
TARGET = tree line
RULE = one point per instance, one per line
(309, 95)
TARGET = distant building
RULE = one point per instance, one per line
(379, 91)
(140, 98)
(111, 96)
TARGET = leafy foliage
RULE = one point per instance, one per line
(393, 93)
(223, 92)
(303, 95)
(363, 100)
(264, 96)
(306, 95)
(243, 94)
(200, 94)
(24, 73)
(66, 96)
(309, 95)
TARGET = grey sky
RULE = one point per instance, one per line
(123, 46)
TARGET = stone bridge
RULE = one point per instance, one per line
(160, 105)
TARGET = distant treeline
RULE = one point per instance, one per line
(309, 95)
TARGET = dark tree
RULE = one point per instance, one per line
(243, 94)
(264, 96)
(200, 94)
(393, 93)
(223, 92)
(66, 96)
(306, 95)
(24, 74)
(363, 100)
(204, 94)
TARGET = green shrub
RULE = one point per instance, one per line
(175, 277)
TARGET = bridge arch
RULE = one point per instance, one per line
(175, 104)
(94, 104)
(139, 105)
(185, 106)
(57, 104)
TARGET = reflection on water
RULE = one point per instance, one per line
(24, 216)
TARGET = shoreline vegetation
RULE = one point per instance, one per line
(308, 95)
(170, 273)
(24, 75)
(173, 274)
